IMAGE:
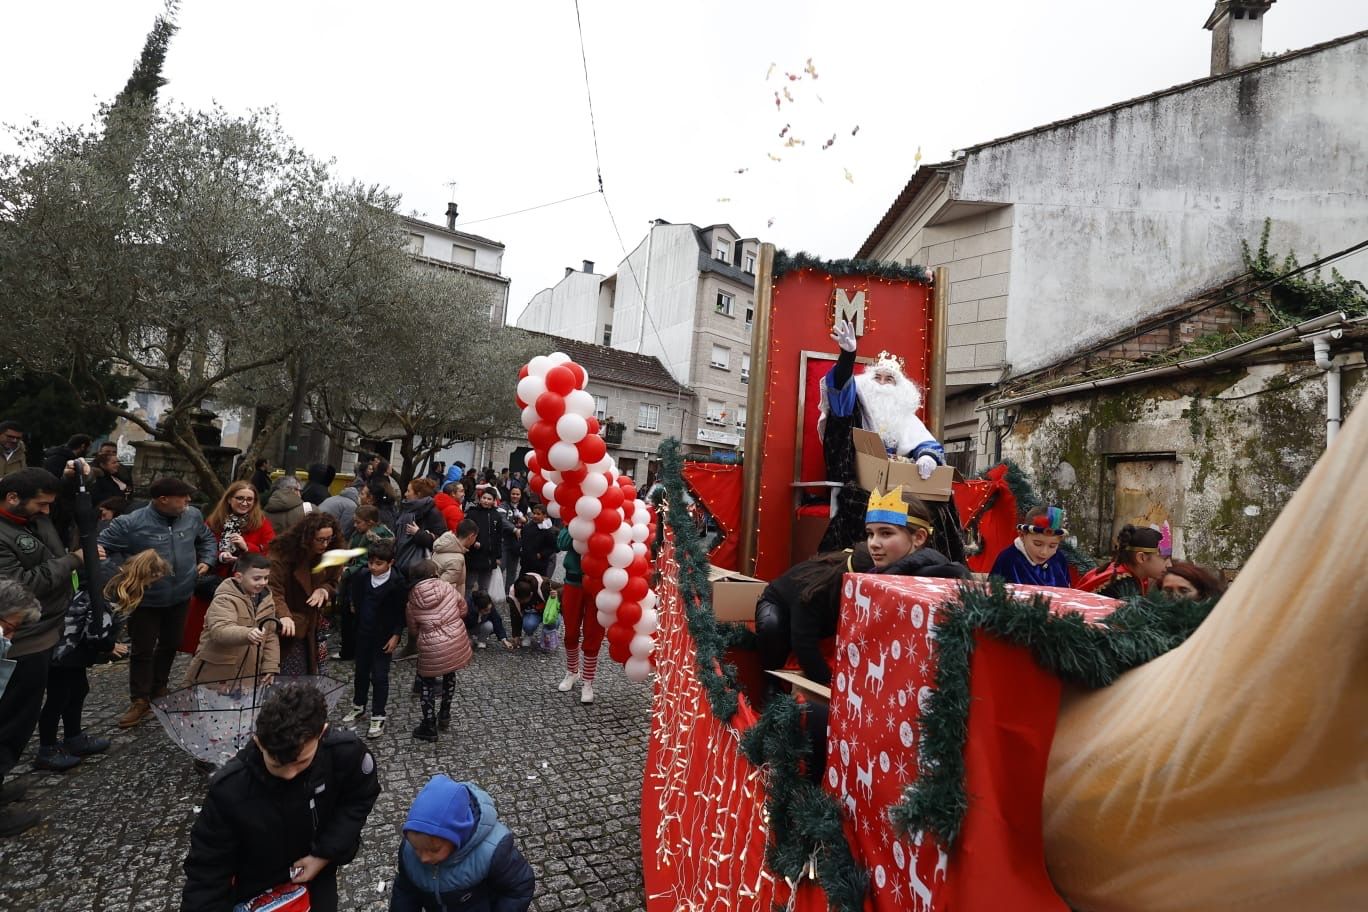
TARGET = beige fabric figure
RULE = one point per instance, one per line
(1232, 773)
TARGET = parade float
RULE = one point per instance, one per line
(990, 747)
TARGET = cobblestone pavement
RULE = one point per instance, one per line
(566, 779)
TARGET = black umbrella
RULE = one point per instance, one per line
(87, 522)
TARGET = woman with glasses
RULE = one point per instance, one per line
(301, 595)
(240, 527)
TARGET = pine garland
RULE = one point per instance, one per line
(1091, 655)
(785, 262)
(804, 820)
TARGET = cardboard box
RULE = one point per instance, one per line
(874, 470)
(819, 692)
(734, 595)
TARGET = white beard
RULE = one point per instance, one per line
(890, 410)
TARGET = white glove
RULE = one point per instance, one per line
(843, 334)
(925, 466)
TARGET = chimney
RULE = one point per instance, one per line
(569, 270)
(1236, 33)
(588, 265)
(451, 216)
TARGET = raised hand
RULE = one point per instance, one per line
(843, 334)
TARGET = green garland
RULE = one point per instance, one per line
(1065, 645)
(804, 820)
(785, 262)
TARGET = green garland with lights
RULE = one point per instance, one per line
(785, 262)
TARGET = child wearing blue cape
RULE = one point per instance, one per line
(1033, 558)
(456, 855)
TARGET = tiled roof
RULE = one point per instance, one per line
(443, 229)
(920, 178)
(616, 367)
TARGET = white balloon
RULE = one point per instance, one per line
(614, 579)
(581, 547)
(650, 620)
(606, 619)
(564, 456)
(530, 387)
(608, 601)
(588, 507)
(638, 670)
(529, 418)
(621, 555)
(552, 476)
(538, 367)
(594, 484)
(641, 516)
(640, 532)
(623, 534)
(581, 528)
(572, 428)
(553, 509)
(649, 601)
(578, 402)
(604, 466)
(526, 456)
(641, 646)
(549, 492)
(557, 358)
(640, 549)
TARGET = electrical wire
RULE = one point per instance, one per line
(593, 126)
(490, 218)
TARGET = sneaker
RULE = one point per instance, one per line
(377, 727)
(83, 745)
(335, 656)
(482, 645)
(587, 692)
(14, 821)
(568, 682)
(425, 732)
(54, 759)
(353, 714)
(136, 712)
(12, 791)
(526, 641)
(443, 721)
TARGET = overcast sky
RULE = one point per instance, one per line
(413, 95)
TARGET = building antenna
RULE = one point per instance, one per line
(451, 185)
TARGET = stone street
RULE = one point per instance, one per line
(566, 779)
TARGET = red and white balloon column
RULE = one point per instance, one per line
(570, 470)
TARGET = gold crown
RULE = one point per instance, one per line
(892, 509)
(887, 358)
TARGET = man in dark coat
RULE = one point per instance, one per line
(32, 554)
(289, 808)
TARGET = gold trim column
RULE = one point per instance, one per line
(940, 317)
(755, 408)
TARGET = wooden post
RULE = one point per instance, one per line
(755, 409)
(940, 316)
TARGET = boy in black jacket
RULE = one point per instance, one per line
(538, 543)
(289, 808)
(378, 599)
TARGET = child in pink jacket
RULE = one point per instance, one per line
(436, 612)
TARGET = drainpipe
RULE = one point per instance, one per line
(1320, 344)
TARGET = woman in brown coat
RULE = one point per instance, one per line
(235, 637)
(302, 596)
(436, 612)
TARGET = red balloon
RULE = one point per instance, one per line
(522, 371)
(581, 377)
(592, 449)
(629, 492)
(639, 566)
(636, 589)
(612, 498)
(623, 481)
(532, 462)
(543, 459)
(566, 495)
(593, 424)
(619, 654)
(608, 521)
(600, 544)
(621, 634)
(519, 400)
(593, 566)
(543, 435)
(536, 483)
(574, 476)
(560, 380)
(550, 406)
(629, 613)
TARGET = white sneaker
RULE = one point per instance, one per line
(355, 713)
(482, 645)
(568, 682)
(527, 641)
(377, 727)
(587, 692)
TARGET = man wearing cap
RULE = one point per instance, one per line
(176, 531)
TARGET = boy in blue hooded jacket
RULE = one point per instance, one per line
(457, 857)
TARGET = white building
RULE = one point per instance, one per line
(1061, 237)
(685, 295)
(470, 255)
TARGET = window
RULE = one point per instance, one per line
(717, 412)
(462, 256)
(415, 244)
(726, 304)
(607, 333)
(601, 408)
(722, 250)
(745, 368)
(648, 417)
(750, 314)
(748, 263)
(721, 357)
(740, 417)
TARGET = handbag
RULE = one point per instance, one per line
(284, 898)
(88, 629)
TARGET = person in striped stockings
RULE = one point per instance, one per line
(583, 634)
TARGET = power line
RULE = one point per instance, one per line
(490, 218)
(593, 127)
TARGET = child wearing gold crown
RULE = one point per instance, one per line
(897, 529)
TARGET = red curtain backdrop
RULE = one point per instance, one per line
(718, 488)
